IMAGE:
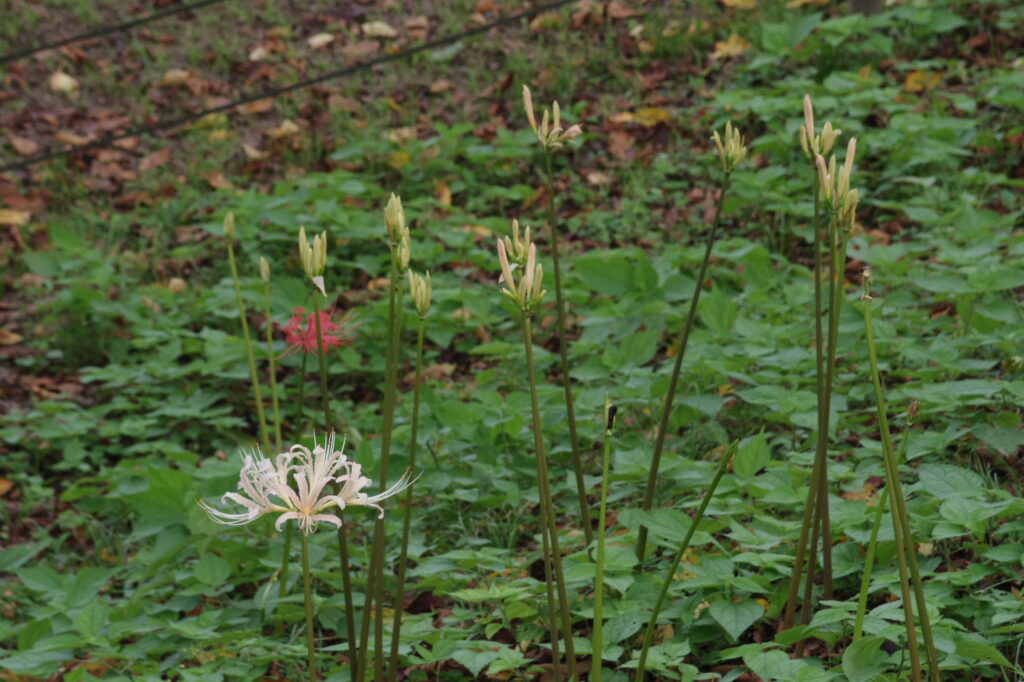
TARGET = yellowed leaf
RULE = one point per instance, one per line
(922, 81)
(733, 46)
(399, 159)
(6, 485)
(546, 20)
(174, 77)
(9, 216)
(651, 116)
(442, 192)
(379, 29)
(598, 178)
(176, 284)
(9, 338)
(739, 4)
(286, 129)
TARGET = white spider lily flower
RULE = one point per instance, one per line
(307, 500)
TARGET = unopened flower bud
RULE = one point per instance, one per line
(394, 218)
(264, 270)
(229, 225)
(419, 290)
(549, 133)
(404, 252)
(314, 258)
(730, 151)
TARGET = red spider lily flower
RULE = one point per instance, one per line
(300, 334)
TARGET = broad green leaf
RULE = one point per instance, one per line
(91, 619)
(735, 617)
(752, 456)
(864, 661)
(982, 652)
(476, 659)
(211, 570)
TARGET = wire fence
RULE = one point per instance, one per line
(104, 31)
(160, 126)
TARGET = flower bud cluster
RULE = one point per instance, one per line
(835, 185)
(730, 152)
(419, 290)
(549, 133)
(516, 247)
(314, 258)
(527, 292)
(814, 145)
(398, 231)
(229, 225)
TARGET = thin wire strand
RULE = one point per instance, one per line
(268, 94)
(105, 30)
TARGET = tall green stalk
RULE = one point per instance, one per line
(403, 555)
(598, 645)
(307, 589)
(906, 551)
(375, 578)
(652, 623)
(346, 578)
(253, 376)
(271, 359)
(544, 487)
(563, 351)
(869, 556)
(666, 410)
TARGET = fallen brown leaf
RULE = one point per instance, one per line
(379, 29)
(72, 138)
(155, 160)
(9, 338)
(217, 180)
(620, 144)
(23, 145)
(174, 77)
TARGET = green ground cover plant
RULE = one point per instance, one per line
(854, 421)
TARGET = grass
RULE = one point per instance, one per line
(129, 396)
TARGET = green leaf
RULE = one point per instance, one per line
(91, 619)
(475, 660)
(622, 626)
(752, 456)
(212, 570)
(864, 660)
(717, 311)
(946, 480)
(606, 272)
(982, 652)
(735, 617)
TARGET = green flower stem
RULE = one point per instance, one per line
(286, 554)
(869, 558)
(544, 486)
(375, 577)
(307, 588)
(906, 552)
(596, 664)
(254, 377)
(273, 367)
(563, 351)
(346, 578)
(869, 564)
(403, 555)
(666, 410)
(652, 623)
